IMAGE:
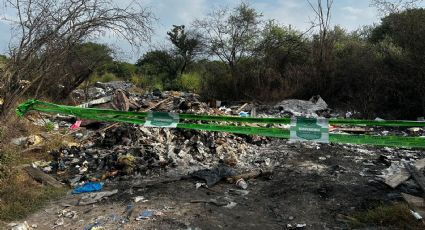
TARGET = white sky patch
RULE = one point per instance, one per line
(353, 13)
(287, 12)
(193, 9)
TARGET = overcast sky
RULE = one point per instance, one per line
(350, 14)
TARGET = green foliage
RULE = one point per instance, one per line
(158, 62)
(138, 80)
(94, 54)
(405, 28)
(106, 77)
(3, 61)
(159, 68)
(377, 70)
(84, 60)
(121, 70)
(216, 80)
(49, 126)
(147, 82)
(186, 44)
(400, 39)
(281, 46)
(230, 35)
(395, 216)
(190, 82)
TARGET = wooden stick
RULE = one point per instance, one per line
(42, 177)
(157, 104)
(241, 108)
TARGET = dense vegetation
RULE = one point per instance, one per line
(377, 70)
(233, 54)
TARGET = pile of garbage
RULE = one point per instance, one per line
(137, 151)
(108, 151)
(104, 156)
(314, 107)
(118, 95)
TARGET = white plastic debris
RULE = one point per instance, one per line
(140, 198)
(301, 107)
(19, 140)
(231, 205)
(414, 129)
(416, 215)
(59, 222)
(241, 183)
(198, 185)
(301, 225)
(20, 226)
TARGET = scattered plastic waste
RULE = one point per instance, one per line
(76, 125)
(88, 187)
(241, 183)
(20, 226)
(244, 114)
(140, 198)
(94, 197)
(148, 214)
(416, 215)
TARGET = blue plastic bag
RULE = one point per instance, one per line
(88, 187)
(243, 114)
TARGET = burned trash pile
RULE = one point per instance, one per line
(100, 90)
(153, 165)
(120, 96)
(130, 150)
(109, 151)
(120, 151)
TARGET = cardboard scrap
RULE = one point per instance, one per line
(397, 174)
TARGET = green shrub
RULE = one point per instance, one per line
(148, 82)
(139, 80)
(190, 82)
(107, 77)
(394, 216)
(49, 126)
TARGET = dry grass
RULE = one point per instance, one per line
(19, 194)
(137, 90)
(22, 196)
(394, 216)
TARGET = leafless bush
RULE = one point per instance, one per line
(393, 6)
(47, 31)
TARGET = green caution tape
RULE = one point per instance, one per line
(140, 118)
(91, 112)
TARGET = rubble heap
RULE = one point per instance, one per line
(119, 150)
(136, 150)
(115, 151)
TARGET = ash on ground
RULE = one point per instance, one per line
(159, 178)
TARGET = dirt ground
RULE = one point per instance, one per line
(312, 186)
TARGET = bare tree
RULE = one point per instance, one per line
(230, 35)
(323, 42)
(322, 21)
(47, 32)
(394, 6)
